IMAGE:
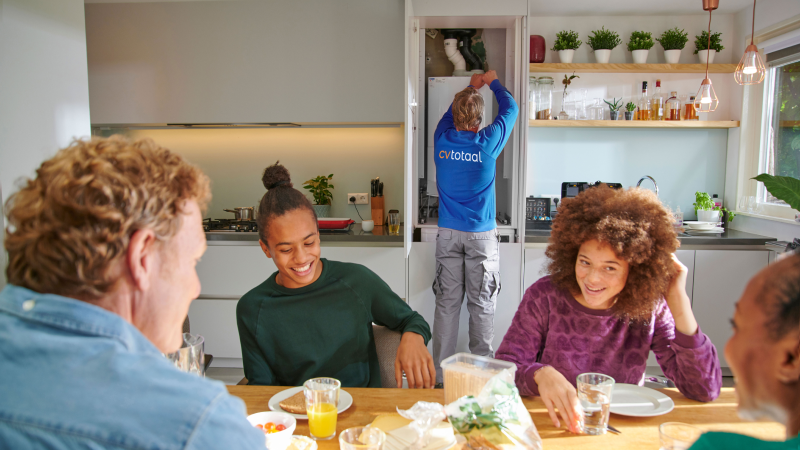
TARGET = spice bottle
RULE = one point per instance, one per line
(673, 111)
(691, 114)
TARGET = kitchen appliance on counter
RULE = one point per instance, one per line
(572, 189)
(537, 213)
(229, 225)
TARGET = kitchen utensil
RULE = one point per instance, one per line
(613, 430)
(638, 401)
(594, 393)
(191, 356)
(242, 212)
(697, 225)
(345, 401)
(367, 225)
(322, 400)
(334, 223)
(281, 439)
(362, 438)
(380, 189)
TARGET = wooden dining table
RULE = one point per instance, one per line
(636, 432)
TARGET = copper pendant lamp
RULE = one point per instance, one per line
(751, 69)
(706, 99)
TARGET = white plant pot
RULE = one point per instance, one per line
(708, 216)
(672, 56)
(602, 56)
(565, 56)
(640, 56)
(702, 56)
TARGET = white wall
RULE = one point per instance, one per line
(235, 160)
(44, 94)
(624, 25)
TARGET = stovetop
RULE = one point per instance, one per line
(230, 225)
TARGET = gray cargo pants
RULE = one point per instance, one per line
(465, 263)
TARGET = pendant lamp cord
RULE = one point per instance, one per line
(753, 29)
(708, 48)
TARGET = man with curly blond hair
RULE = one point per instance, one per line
(467, 245)
(102, 247)
(615, 291)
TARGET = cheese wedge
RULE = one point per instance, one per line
(389, 422)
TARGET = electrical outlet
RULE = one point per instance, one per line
(361, 199)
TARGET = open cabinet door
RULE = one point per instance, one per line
(411, 74)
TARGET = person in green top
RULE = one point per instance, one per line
(764, 356)
(313, 317)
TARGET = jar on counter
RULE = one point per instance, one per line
(691, 114)
(532, 83)
(673, 107)
(544, 97)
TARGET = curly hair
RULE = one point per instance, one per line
(69, 225)
(639, 230)
(467, 109)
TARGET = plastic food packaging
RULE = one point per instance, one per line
(496, 419)
(466, 374)
(424, 416)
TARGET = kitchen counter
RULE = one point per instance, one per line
(356, 236)
(728, 238)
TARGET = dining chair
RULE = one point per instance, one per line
(386, 343)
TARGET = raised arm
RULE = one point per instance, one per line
(499, 131)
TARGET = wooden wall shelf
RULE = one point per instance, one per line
(631, 68)
(633, 124)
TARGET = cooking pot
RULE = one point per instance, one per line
(242, 213)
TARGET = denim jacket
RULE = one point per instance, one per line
(75, 376)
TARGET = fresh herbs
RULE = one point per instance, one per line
(703, 202)
(630, 107)
(616, 105)
(640, 40)
(674, 39)
(320, 189)
(566, 40)
(782, 188)
(701, 42)
(603, 39)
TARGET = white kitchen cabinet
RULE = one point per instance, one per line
(215, 320)
(535, 262)
(720, 277)
(247, 61)
(470, 8)
(422, 267)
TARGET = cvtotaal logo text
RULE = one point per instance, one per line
(460, 156)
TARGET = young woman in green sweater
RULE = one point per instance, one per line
(313, 317)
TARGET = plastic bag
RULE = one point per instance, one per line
(496, 419)
(424, 416)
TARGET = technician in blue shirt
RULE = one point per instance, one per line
(102, 247)
(467, 246)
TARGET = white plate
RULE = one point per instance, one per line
(345, 401)
(638, 401)
(710, 231)
(695, 225)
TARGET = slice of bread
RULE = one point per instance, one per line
(295, 404)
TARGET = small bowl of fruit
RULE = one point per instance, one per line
(277, 427)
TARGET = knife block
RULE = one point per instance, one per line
(377, 210)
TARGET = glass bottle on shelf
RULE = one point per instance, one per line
(657, 103)
(597, 111)
(673, 107)
(581, 105)
(532, 98)
(544, 98)
(691, 114)
(683, 98)
(643, 112)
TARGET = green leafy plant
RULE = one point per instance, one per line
(320, 189)
(603, 39)
(701, 42)
(566, 40)
(630, 107)
(674, 39)
(640, 40)
(782, 188)
(703, 202)
(567, 81)
(616, 106)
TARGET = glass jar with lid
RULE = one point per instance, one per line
(691, 113)
(532, 83)
(673, 107)
(544, 97)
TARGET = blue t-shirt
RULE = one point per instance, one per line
(465, 166)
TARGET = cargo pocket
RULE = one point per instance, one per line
(491, 285)
(436, 287)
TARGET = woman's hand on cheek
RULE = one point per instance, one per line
(557, 392)
(678, 301)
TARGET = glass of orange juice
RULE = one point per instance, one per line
(322, 400)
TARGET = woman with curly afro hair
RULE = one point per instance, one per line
(615, 291)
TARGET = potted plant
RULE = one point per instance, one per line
(566, 44)
(566, 82)
(639, 45)
(783, 188)
(629, 108)
(702, 47)
(320, 189)
(614, 107)
(707, 211)
(602, 42)
(673, 41)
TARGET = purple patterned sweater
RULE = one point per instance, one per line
(551, 328)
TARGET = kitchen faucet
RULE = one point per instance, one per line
(651, 179)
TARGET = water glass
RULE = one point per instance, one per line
(394, 222)
(594, 393)
(191, 356)
(677, 436)
(322, 400)
(752, 204)
(362, 438)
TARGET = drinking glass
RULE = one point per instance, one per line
(743, 203)
(191, 356)
(394, 222)
(752, 204)
(322, 399)
(362, 438)
(581, 105)
(594, 393)
(677, 436)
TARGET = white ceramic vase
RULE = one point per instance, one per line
(708, 216)
(672, 56)
(602, 56)
(565, 56)
(702, 56)
(640, 56)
